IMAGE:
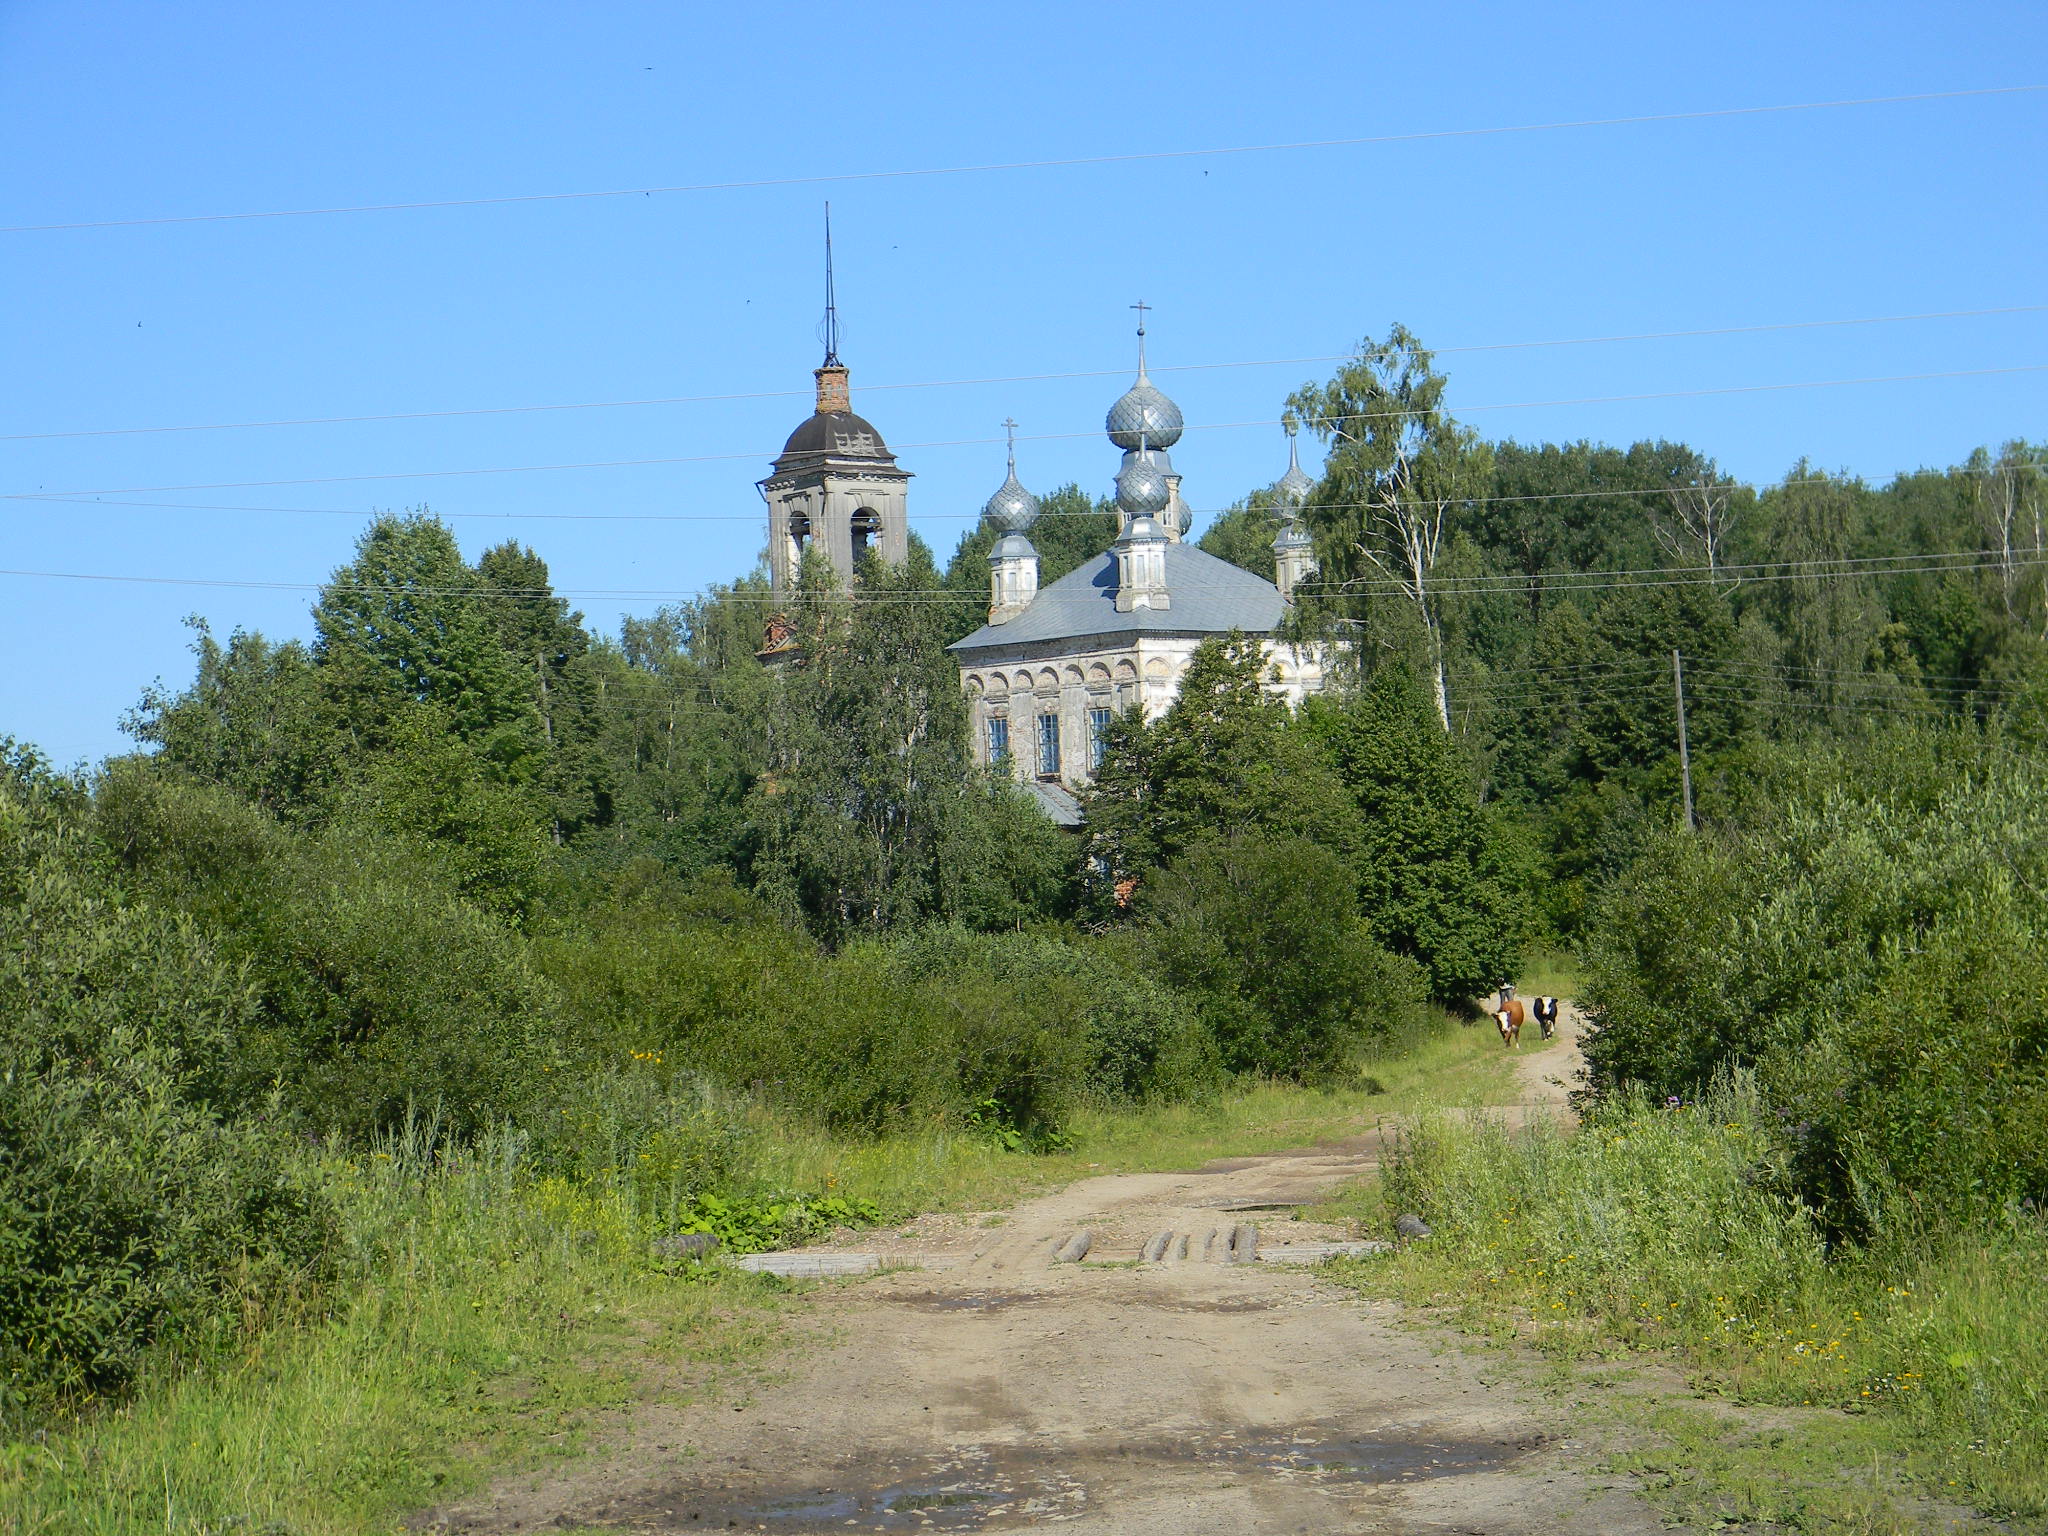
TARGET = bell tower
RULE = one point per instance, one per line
(835, 487)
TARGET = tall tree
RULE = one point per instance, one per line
(408, 621)
(863, 811)
(1436, 879)
(1243, 534)
(252, 720)
(1828, 615)
(1697, 519)
(1226, 757)
(1072, 529)
(1398, 469)
(2012, 518)
(550, 649)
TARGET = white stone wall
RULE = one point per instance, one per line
(1071, 678)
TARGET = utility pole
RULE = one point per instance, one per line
(1684, 752)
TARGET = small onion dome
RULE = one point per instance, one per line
(1012, 509)
(1012, 546)
(1293, 488)
(1143, 417)
(1141, 488)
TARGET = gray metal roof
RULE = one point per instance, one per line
(1060, 804)
(1210, 597)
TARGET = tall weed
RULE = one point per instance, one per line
(1667, 1228)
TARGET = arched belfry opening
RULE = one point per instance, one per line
(866, 531)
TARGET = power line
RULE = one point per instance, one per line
(1024, 165)
(942, 596)
(1678, 576)
(1042, 437)
(1021, 378)
(68, 499)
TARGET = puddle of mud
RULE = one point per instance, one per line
(965, 1493)
(987, 1489)
(1225, 1306)
(1358, 1458)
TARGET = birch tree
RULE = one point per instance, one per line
(1699, 519)
(1398, 470)
(2011, 518)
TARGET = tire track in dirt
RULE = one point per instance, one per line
(993, 1390)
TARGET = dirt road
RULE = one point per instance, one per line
(994, 1388)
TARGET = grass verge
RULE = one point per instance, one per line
(484, 1320)
(1651, 1233)
(1451, 1066)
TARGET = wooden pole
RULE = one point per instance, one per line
(1684, 751)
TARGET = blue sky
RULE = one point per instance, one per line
(133, 111)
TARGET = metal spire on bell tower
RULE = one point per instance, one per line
(831, 299)
(1010, 432)
(1141, 306)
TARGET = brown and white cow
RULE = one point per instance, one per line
(1509, 1017)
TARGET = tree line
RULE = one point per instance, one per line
(462, 856)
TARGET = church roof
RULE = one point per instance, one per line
(1060, 805)
(833, 434)
(1210, 596)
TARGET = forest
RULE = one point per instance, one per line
(466, 881)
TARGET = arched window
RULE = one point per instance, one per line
(799, 535)
(867, 526)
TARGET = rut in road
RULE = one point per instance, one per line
(995, 1388)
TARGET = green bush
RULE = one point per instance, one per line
(133, 1212)
(1264, 933)
(1148, 1041)
(1874, 941)
(875, 1037)
(379, 988)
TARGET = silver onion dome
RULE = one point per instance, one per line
(1292, 489)
(1012, 509)
(1143, 416)
(1141, 488)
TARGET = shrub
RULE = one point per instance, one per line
(1873, 944)
(378, 987)
(1264, 933)
(132, 1211)
(1148, 1041)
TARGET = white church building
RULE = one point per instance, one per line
(1054, 663)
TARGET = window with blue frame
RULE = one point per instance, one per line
(998, 741)
(1048, 746)
(1098, 727)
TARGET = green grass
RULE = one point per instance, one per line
(1548, 973)
(943, 1170)
(486, 1320)
(1647, 1233)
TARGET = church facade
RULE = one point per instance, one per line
(1054, 664)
